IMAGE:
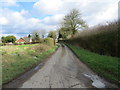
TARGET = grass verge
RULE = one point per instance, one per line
(18, 59)
(105, 66)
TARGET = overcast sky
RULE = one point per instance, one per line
(21, 17)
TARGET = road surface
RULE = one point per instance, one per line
(62, 70)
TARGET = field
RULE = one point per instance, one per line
(105, 66)
(17, 59)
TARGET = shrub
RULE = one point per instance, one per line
(49, 41)
(2, 44)
(102, 39)
(40, 48)
(42, 40)
(15, 43)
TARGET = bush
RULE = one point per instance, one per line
(15, 43)
(40, 48)
(42, 40)
(102, 39)
(49, 41)
(2, 44)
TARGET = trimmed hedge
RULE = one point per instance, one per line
(103, 40)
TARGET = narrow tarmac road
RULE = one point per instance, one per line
(63, 70)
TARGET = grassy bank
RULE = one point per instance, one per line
(18, 59)
(105, 66)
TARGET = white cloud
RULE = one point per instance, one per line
(3, 21)
(48, 6)
(19, 24)
(53, 20)
(93, 11)
(8, 3)
(58, 6)
(110, 12)
(24, 12)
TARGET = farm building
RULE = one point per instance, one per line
(24, 40)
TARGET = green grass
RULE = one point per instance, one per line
(105, 66)
(17, 59)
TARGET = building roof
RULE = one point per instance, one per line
(27, 39)
(24, 39)
(20, 40)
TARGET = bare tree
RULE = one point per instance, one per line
(36, 36)
(73, 22)
(43, 32)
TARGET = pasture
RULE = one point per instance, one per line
(20, 58)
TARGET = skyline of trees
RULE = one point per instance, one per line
(8, 39)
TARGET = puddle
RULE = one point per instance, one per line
(39, 66)
(14, 54)
(31, 71)
(63, 50)
(74, 85)
(96, 81)
(20, 80)
(34, 57)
